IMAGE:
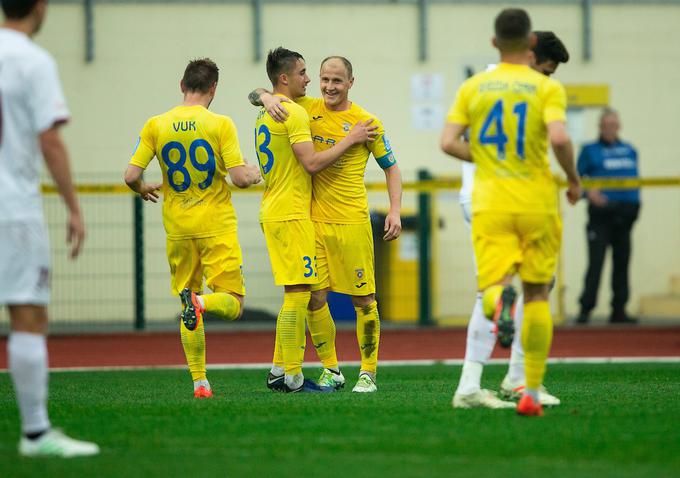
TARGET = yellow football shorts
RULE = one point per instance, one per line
(344, 257)
(505, 243)
(292, 251)
(216, 258)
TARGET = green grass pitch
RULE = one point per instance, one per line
(617, 420)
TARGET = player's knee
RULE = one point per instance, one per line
(241, 305)
(363, 300)
(28, 318)
(318, 299)
(536, 292)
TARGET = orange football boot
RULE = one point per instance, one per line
(528, 407)
(191, 309)
(202, 392)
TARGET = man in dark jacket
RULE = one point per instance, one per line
(611, 214)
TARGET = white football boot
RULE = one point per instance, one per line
(365, 384)
(513, 391)
(329, 378)
(55, 443)
(480, 399)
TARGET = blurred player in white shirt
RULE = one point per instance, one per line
(32, 107)
(549, 52)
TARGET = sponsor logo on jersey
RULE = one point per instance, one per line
(346, 127)
(316, 118)
(322, 140)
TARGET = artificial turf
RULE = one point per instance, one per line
(616, 420)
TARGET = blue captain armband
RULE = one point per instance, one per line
(386, 161)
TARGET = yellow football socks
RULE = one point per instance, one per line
(368, 336)
(322, 330)
(536, 339)
(490, 298)
(290, 328)
(277, 361)
(222, 304)
(193, 342)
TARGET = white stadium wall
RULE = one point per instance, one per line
(141, 51)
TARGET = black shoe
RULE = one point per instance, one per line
(622, 318)
(308, 386)
(275, 383)
(505, 316)
(190, 310)
(583, 318)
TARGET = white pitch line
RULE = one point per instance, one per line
(382, 363)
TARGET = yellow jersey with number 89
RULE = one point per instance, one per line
(288, 187)
(195, 148)
(508, 110)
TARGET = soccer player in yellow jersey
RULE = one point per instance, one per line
(549, 52)
(196, 149)
(512, 112)
(287, 158)
(344, 250)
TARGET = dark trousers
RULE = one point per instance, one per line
(608, 226)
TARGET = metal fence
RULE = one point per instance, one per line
(121, 281)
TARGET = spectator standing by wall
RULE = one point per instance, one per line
(611, 215)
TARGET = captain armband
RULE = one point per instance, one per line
(386, 161)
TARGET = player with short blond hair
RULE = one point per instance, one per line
(345, 257)
(287, 158)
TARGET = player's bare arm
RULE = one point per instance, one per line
(245, 175)
(453, 143)
(564, 152)
(133, 178)
(57, 161)
(316, 161)
(272, 103)
(393, 219)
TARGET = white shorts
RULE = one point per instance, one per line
(24, 263)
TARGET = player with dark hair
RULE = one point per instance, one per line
(196, 149)
(341, 220)
(287, 159)
(549, 52)
(32, 108)
(512, 112)
(481, 333)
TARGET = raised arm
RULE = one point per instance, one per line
(393, 219)
(564, 152)
(272, 103)
(453, 143)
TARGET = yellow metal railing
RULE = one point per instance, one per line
(416, 186)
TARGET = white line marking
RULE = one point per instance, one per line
(382, 363)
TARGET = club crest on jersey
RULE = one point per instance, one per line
(359, 273)
(346, 126)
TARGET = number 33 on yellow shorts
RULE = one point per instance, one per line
(292, 249)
